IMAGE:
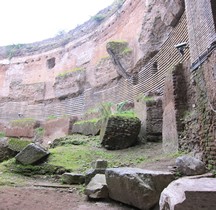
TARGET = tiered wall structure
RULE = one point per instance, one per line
(31, 85)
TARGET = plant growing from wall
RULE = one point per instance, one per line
(13, 50)
(105, 109)
(99, 17)
(68, 72)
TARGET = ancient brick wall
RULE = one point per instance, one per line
(150, 79)
(199, 135)
(201, 26)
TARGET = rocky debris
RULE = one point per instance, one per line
(99, 167)
(100, 164)
(87, 127)
(188, 166)
(97, 188)
(31, 154)
(119, 132)
(137, 187)
(22, 128)
(73, 178)
(5, 151)
(189, 194)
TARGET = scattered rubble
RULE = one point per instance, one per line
(137, 187)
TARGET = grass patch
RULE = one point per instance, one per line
(23, 122)
(67, 73)
(127, 114)
(51, 117)
(2, 134)
(79, 158)
(119, 47)
(17, 144)
(94, 120)
(39, 131)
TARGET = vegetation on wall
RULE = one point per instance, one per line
(118, 47)
(13, 50)
(23, 122)
(68, 72)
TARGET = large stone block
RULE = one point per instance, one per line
(73, 178)
(31, 154)
(56, 128)
(22, 128)
(188, 166)
(137, 187)
(189, 194)
(5, 151)
(97, 188)
(87, 127)
(119, 132)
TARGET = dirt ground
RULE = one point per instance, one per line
(33, 197)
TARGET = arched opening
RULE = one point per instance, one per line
(50, 63)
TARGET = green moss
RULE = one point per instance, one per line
(17, 144)
(119, 47)
(39, 131)
(92, 111)
(79, 158)
(95, 120)
(23, 122)
(67, 73)
(99, 17)
(51, 117)
(2, 134)
(126, 114)
(29, 170)
(142, 97)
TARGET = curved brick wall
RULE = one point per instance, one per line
(124, 90)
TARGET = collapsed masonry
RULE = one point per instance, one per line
(37, 86)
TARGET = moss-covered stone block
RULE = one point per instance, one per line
(119, 132)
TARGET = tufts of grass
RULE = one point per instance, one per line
(67, 73)
(126, 114)
(94, 120)
(23, 122)
(78, 158)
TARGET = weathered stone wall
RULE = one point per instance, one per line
(31, 85)
(175, 105)
(149, 111)
(201, 26)
(200, 131)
